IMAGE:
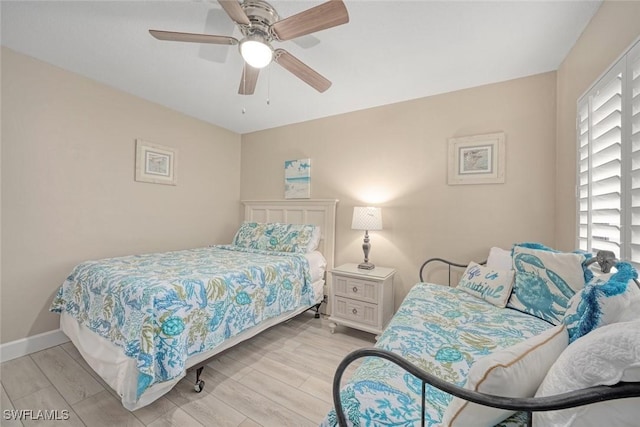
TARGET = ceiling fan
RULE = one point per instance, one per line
(260, 25)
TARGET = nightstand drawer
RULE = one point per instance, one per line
(357, 311)
(361, 290)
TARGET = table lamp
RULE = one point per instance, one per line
(366, 218)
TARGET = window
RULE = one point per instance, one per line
(608, 131)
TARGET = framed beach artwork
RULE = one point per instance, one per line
(155, 163)
(477, 159)
(297, 179)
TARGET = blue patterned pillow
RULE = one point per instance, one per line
(299, 238)
(602, 301)
(249, 235)
(545, 281)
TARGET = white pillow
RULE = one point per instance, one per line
(491, 285)
(516, 371)
(633, 311)
(605, 356)
(499, 259)
(314, 241)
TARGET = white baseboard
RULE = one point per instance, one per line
(24, 346)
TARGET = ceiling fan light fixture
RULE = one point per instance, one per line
(256, 52)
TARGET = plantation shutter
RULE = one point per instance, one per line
(633, 185)
(600, 139)
(584, 222)
(608, 136)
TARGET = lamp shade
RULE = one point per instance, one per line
(366, 218)
(256, 52)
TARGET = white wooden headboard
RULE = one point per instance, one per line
(321, 212)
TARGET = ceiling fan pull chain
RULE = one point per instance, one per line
(269, 85)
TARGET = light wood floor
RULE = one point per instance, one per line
(281, 377)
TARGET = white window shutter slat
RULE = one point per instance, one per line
(632, 189)
(600, 164)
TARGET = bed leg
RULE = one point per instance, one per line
(199, 385)
(317, 307)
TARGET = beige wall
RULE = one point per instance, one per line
(68, 193)
(396, 157)
(612, 30)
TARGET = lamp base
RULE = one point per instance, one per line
(366, 266)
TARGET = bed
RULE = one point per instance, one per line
(141, 321)
(442, 331)
(463, 356)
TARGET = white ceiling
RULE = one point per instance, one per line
(390, 51)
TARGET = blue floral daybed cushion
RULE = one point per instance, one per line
(442, 330)
(298, 238)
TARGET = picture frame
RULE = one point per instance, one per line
(297, 179)
(477, 159)
(155, 163)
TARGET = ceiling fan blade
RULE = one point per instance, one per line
(193, 38)
(301, 70)
(235, 11)
(321, 17)
(249, 79)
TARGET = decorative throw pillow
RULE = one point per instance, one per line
(499, 259)
(545, 281)
(278, 237)
(606, 356)
(491, 285)
(287, 237)
(516, 371)
(602, 301)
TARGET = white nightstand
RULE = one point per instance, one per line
(361, 299)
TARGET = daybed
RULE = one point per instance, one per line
(140, 321)
(485, 342)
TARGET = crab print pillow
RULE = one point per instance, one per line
(545, 281)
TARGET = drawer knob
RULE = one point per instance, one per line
(355, 289)
(354, 311)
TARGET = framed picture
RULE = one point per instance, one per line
(155, 163)
(476, 159)
(297, 179)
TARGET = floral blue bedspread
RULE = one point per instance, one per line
(442, 330)
(162, 308)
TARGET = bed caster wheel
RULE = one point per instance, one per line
(199, 386)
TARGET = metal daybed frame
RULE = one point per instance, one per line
(528, 404)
